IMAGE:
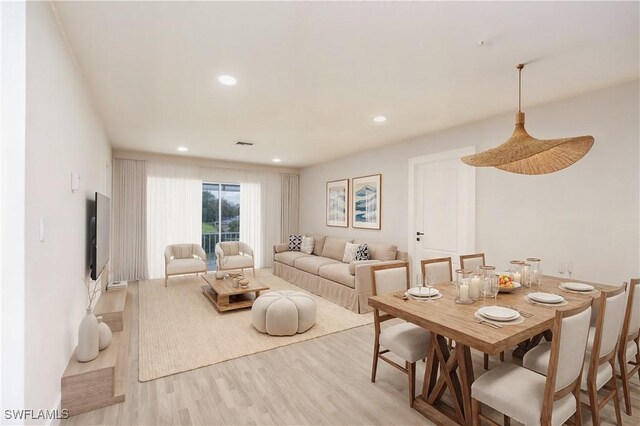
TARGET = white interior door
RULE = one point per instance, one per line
(442, 203)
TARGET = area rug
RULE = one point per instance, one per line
(180, 330)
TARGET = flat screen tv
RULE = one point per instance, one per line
(100, 230)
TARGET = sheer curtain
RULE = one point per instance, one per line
(129, 249)
(290, 205)
(174, 210)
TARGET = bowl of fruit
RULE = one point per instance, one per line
(506, 284)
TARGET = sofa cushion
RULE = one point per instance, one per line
(182, 251)
(334, 248)
(350, 251)
(378, 251)
(312, 264)
(318, 244)
(186, 266)
(295, 241)
(238, 261)
(230, 248)
(289, 257)
(307, 245)
(338, 272)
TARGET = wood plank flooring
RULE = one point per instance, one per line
(323, 381)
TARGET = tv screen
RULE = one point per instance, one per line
(100, 231)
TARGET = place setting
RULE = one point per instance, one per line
(498, 316)
(548, 300)
(424, 290)
(577, 288)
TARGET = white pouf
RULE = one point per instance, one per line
(283, 313)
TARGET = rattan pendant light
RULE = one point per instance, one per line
(524, 154)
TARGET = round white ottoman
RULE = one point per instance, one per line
(283, 313)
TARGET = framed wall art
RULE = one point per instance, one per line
(337, 203)
(367, 201)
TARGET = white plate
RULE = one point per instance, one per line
(423, 291)
(577, 286)
(498, 313)
(549, 298)
(516, 285)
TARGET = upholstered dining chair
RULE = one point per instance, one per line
(530, 397)
(472, 262)
(439, 269)
(599, 363)
(234, 255)
(629, 348)
(405, 340)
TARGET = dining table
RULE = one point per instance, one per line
(455, 329)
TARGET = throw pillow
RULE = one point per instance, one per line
(350, 251)
(295, 241)
(363, 252)
(307, 245)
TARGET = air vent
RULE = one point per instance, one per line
(244, 143)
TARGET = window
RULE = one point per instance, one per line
(220, 217)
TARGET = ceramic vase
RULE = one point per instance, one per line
(104, 335)
(219, 275)
(88, 338)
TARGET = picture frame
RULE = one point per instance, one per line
(366, 207)
(337, 203)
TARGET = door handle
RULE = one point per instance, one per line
(419, 233)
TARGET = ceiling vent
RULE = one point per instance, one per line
(244, 143)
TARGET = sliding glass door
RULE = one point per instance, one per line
(220, 217)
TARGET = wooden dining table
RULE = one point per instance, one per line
(454, 331)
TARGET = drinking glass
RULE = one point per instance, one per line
(535, 272)
(526, 275)
(429, 280)
(569, 268)
(562, 268)
(490, 288)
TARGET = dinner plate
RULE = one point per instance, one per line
(423, 291)
(577, 286)
(498, 313)
(549, 298)
(516, 285)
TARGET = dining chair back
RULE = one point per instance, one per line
(601, 371)
(472, 262)
(405, 340)
(439, 269)
(556, 405)
(629, 349)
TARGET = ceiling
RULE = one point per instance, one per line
(312, 75)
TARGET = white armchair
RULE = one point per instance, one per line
(182, 259)
(232, 255)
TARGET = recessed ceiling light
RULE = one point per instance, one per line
(227, 80)
(380, 119)
(183, 149)
(276, 160)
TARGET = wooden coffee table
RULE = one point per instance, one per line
(225, 297)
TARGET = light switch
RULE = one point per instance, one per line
(42, 229)
(75, 182)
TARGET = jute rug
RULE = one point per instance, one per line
(180, 330)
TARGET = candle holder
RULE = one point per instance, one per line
(463, 296)
(475, 286)
(526, 275)
(515, 270)
(535, 270)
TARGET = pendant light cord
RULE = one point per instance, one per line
(519, 67)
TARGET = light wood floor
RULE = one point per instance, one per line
(320, 381)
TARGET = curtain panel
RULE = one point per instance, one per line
(290, 204)
(129, 249)
(174, 211)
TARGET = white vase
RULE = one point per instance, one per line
(88, 338)
(219, 275)
(104, 335)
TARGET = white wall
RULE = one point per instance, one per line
(12, 196)
(587, 213)
(64, 135)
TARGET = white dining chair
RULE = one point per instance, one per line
(599, 362)
(532, 398)
(405, 340)
(439, 269)
(629, 348)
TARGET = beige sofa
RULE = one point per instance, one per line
(323, 272)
